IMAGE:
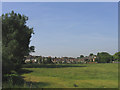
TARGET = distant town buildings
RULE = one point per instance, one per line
(30, 59)
(58, 60)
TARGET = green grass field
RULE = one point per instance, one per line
(73, 76)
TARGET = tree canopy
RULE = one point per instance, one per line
(104, 57)
(81, 56)
(15, 40)
(116, 56)
(91, 54)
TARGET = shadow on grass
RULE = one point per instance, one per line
(24, 71)
(49, 66)
(19, 82)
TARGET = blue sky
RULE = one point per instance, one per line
(70, 29)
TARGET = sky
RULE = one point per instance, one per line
(60, 0)
(70, 28)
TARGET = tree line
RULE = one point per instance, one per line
(103, 57)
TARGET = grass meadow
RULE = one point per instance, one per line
(72, 76)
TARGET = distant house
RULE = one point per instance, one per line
(65, 60)
(88, 59)
(30, 58)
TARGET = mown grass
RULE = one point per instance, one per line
(77, 76)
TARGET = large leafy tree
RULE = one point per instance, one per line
(116, 56)
(104, 57)
(81, 56)
(91, 54)
(15, 40)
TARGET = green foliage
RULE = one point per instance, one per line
(31, 49)
(78, 57)
(104, 57)
(49, 60)
(116, 56)
(15, 40)
(91, 54)
(81, 56)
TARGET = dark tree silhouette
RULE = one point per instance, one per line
(15, 41)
